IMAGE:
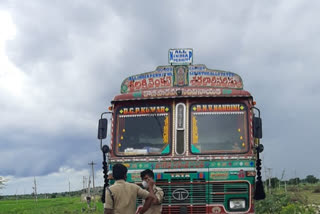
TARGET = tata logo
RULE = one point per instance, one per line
(180, 194)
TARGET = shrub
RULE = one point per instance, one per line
(307, 187)
(282, 203)
(316, 189)
(272, 204)
(297, 208)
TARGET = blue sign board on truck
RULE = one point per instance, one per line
(180, 56)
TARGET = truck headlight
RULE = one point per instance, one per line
(237, 204)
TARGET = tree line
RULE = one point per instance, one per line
(310, 179)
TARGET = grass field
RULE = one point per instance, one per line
(314, 197)
(65, 205)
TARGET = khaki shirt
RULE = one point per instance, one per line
(156, 208)
(125, 196)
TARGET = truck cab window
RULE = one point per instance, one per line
(143, 131)
(218, 128)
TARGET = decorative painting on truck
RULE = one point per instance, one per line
(161, 78)
(166, 77)
(200, 76)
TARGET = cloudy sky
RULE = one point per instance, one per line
(61, 63)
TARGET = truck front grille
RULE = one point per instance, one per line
(199, 192)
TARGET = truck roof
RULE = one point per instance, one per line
(175, 81)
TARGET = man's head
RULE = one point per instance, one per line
(119, 171)
(146, 174)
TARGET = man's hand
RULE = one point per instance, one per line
(150, 182)
(150, 189)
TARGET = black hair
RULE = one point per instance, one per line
(119, 171)
(148, 172)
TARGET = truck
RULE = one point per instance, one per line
(196, 128)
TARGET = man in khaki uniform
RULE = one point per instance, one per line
(121, 196)
(156, 206)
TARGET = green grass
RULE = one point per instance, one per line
(297, 197)
(66, 205)
(305, 193)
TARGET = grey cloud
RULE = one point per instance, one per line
(4, 4)
(40, 155)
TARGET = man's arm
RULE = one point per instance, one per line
(150, 199)
(108, 205)
(159, 196)
(150, 190)
(147, 204)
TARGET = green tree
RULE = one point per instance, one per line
(311, 179)
(294, 181)
(274, 182)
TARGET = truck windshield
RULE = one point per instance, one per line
(218, 128)
(143, 131)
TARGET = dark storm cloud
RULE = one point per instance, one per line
(74, 56)
(51, 27)
(38, 155)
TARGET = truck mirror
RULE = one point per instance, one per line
(257, 127)
(102, 129)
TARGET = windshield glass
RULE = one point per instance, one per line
(143, 131)
(218, 128)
